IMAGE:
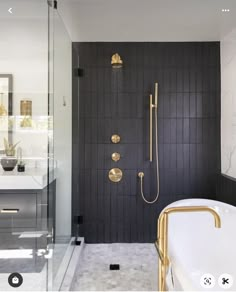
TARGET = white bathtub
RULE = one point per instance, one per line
(196, 247)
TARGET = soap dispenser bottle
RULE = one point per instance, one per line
(21, 165)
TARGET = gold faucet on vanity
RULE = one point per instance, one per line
(162, 238)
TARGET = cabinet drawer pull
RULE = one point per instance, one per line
(9, 211)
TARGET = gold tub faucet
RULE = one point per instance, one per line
(162, 237)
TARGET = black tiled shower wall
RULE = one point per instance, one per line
(226, 189)
(108, 101)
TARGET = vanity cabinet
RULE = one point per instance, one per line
(24, 211)
(18, 210)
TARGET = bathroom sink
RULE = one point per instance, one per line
(31, 179)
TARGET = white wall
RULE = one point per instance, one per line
(147, 20)
(24, 54)
(228, 105)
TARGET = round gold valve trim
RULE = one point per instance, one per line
(115, 156)
(115, 175)
(115, 139)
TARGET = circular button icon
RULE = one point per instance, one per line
(15, 280)
(225, 281)
(207, 281)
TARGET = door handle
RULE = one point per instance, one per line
(9, 211)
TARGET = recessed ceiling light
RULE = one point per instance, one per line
(225, 10)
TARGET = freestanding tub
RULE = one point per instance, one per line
(196, 247)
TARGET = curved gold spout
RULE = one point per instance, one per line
(162, 238)
(196, 209)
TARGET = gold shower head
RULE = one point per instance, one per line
(116, 61)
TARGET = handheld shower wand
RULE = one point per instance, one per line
(141, 174)
(153, 106)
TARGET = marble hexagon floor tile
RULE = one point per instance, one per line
(138, 268)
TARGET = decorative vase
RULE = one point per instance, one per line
(8, 163)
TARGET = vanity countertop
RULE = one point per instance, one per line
(31, 179)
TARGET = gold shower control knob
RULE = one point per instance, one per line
(115, 139)
(115, 175)
(115, 156)
(141, 174)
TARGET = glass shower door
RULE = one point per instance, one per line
(60, 145)
(26, 186)
(35, 146)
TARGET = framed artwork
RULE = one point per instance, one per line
(5, 109)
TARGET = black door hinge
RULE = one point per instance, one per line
(77, 241)
(79, 72)
(52, 3)
(78, 220)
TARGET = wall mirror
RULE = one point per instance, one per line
(5, 109)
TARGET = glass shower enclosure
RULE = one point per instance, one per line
(35, 146)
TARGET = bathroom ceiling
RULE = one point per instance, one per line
(148, 20)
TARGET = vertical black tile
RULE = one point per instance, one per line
(192, 81)
(192, 105)
(186, 108)
(193, 155)
(186, 81)
(161, 123)
(173, 154)
(186, 131)
(199, 133)
(179, 131)
(173, 80)
(180, 105)
(173, 131)
(173, 105)
(167, 157)
(199, 156)
(166, 80)
(180, 156)
(167, 130)
(166, 101)
(199, 80)
(180, 80)
(186, 149)
(199, 105)
(192, 130)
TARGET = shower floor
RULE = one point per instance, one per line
(138, 268)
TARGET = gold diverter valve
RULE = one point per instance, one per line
(115, 174)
